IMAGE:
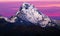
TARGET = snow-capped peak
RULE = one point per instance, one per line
(29, 13)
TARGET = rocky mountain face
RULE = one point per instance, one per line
(28, 21)
(31, 14)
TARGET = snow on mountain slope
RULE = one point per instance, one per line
(29, 13)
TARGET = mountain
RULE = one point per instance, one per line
(31, 14)
(28, 21)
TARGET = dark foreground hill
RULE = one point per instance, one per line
(23, 29)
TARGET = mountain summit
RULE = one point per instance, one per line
(31, 14)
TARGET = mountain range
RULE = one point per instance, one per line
(28, 21)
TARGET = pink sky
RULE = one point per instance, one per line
(26, 0)
(11, 6)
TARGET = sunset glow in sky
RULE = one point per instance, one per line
(49, 7)
(26, 0)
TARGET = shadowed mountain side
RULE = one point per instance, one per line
(23, 29)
